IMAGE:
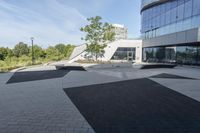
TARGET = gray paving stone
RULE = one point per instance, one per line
(39, 105)
(190, 88)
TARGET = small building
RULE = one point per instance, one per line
(121, 32)
(117, 51)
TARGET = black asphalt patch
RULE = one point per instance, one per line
(170, 76)
(36, 75)
(136, 106)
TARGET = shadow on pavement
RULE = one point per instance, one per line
(42, 75)
(36, 75)
(170, 76)
(136, 106)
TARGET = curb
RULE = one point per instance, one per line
(110, 66)
(18, 69)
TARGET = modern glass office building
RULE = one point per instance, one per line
(171, 31)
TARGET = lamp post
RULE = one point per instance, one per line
(32, 50)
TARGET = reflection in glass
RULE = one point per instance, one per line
(170, 54)
(180, 54)
(124, 53)
(198, 55)
(183, 14)
(189, 55)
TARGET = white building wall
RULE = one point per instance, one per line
(110, 50)
(77, 52)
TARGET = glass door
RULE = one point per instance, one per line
(130, 56)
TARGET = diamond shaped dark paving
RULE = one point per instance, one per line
(170, 76)
(36, 75)
(136, 106)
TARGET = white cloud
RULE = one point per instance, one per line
(49, 21)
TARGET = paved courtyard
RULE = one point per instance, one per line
(46, 105)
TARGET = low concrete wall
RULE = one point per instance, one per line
(111, 65)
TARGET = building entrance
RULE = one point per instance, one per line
(130, 55)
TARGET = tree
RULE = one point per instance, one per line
(61, 48)
(38, 52)
(109, 34)
(68, 50)
(52, 53)
(3, 53)
(10, 54)
(98, 34)
(21, 49)
(65, 50)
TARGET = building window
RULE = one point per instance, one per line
(171, 14)
(196, 7)
(123, 53)
(188, 9)
(189, 55)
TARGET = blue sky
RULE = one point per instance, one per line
(58, 21)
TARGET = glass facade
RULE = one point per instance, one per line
(170, 17)
(189, 55)
(123, 53)
(147, 2)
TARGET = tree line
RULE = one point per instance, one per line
(21, 55)
(57, 52)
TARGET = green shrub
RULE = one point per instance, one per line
(20, 56)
